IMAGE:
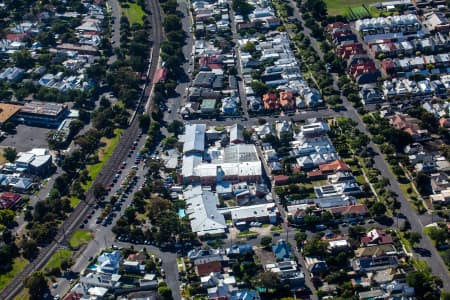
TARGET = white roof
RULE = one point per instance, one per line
(194, 138)
(203, 213)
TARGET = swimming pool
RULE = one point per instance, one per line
(181, 213)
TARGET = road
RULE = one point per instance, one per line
(434, 261)
(176, 103)
(237, 54)
(104, 177)
(115, 10)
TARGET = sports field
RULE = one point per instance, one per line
(340, 7)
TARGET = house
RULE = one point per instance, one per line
(376, 237)
(215, 279)
(370, 96)
(342, 188)
(375, 258)
(288, 272)
(270, 101)
(283, 127)
(12, 74)
(109, 262)
(336, 246)
(436, 21)
(444, 123)
(201, 256)
(442, 198)
(265, 130)
(409, 125)
(279, 180)
(237, 250)
(265, 213)
(36, 161)
(244, 294)
(311, 96)
(230, 105)
(439, 182)
(92, 280)
(208, 106)
(282, 250)
(10, 200)
(237, 134)
(287, 100)
(206, 268)
(316, 266)
(333, 167)
(355, 210)
(314, 129)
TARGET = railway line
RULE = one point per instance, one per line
(105, 176)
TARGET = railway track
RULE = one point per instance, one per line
(120, 152)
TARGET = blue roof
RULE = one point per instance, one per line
(282, 250)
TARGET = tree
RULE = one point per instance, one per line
(37, 285)
(172, 23)
(23, 59)
(439, 235)
(29, 249)
(176, 127)
(378, 209)
(269, 280)
(144, 122)
(99, 190)
(165, 292)
(10, 154)
(266, 241)
(6, 217)
(315, 247)
(414, 238)
(423, 183)
(423, 284)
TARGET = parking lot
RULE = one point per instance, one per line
(27, 138)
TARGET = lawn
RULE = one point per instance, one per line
(79, 238)
(57, 258)
(103, 155)
(18, 264)
(74, 202)
(134, 13)
(340, 7)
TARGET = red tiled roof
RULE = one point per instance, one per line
(16, 37)
(337, 165)
(72, 296)
(207, 268)
(280, 179)
(316, 173)
(8, 199)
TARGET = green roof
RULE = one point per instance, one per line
(208, 104)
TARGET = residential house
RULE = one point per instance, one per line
(409, 125)
(443, 197)
(316, 267)
(270, 101)
(237, 250)
(287, 100)
(288, 272)
(282, 250)
(376, 237)
(350, 211)
(12, 74)
(10, 200)
(439, 182)
(374, 258)
(237, 134)
(108, 262)
(283, 127)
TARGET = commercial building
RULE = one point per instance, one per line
(43, 114)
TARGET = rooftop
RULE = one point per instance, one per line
(7, 111)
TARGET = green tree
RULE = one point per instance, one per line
(10, 154)
(378, 209)
(266, 241)
(144, 122)
(29, 249)
(23, 59)
(37, 285)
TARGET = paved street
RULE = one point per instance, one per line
(114, 7)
